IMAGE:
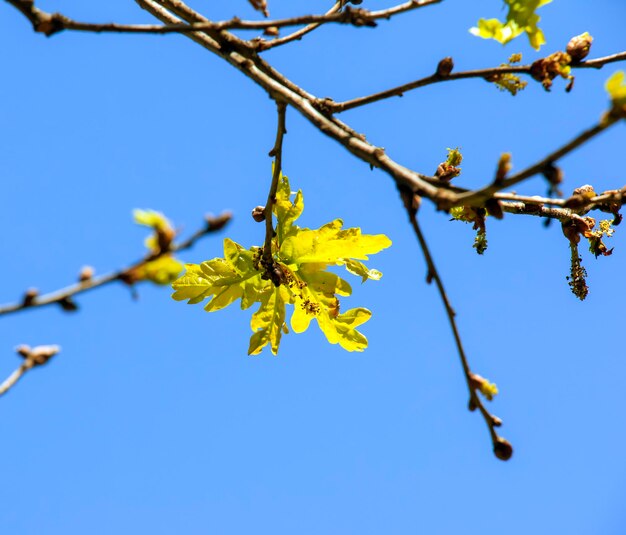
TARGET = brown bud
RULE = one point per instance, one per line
(586, 191)
(68, 304)
(554, 176)
(444, 67)
(503, 449)
(570, 231)
(504, 167)
(86, 274)
(30, 296)
(271, 31)
(214, 223)
(494, 207)
(495, 421)
(476, 380)
(165, 236)
(258, 214)
(23, 350)
(578, 47)
(42, 354)
(446, 172)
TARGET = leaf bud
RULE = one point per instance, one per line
(502, 449)
(494, 208)
(258, 214)
(68, 304)
(42, 354)
(504, 167)
(495, 421)
(29, 296)
(578, 47)
(86, 274)
(23, 350)
(444, 67)
(214, 223)
(271, 31)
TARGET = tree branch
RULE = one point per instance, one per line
(51, 23)
(299, 34)
(37, 356)
(479, 196)
(399, 91)
(501, 447)
(63, 297)
(279, 88)
(277, 154)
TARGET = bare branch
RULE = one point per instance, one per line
(475, 402)
(399, 91)
(299, 34)
(481, 195)
(277, 154)
(355, 17)
(279, 88)
(63, 296)
(51, 23)
(37, 356)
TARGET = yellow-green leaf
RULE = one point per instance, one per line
(152, 219)
(268, 322)
(361, 270)
(329, 245)
(286, 210)
(616, 88)
(521, 18)
(163, 270)
(299, 261)
(222, 280)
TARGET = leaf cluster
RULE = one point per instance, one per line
(297, 276)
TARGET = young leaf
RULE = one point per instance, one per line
(616, 88)
(300, 258)
(521, 18)
(163, 270)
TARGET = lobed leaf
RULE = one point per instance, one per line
(300, 257)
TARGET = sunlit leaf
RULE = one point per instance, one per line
(521, 18)
(300, 258)
(163, 270)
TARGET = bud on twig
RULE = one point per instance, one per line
(86, 274)
(444, 67)
(503, 449)
(68, 304)
(38, 355)
(579, 46)
(258, 214)
(30, 296)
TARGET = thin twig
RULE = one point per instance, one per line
(51, 23)
(479, 196)
(356, 17)
(280, 88)
(277, 154)
(338, 107)
(65, 294)
(299, 34)
(37, 356)
(433, 275)
(12, 379)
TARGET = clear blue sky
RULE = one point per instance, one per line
(154, 420)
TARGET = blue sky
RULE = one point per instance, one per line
(154, 420)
